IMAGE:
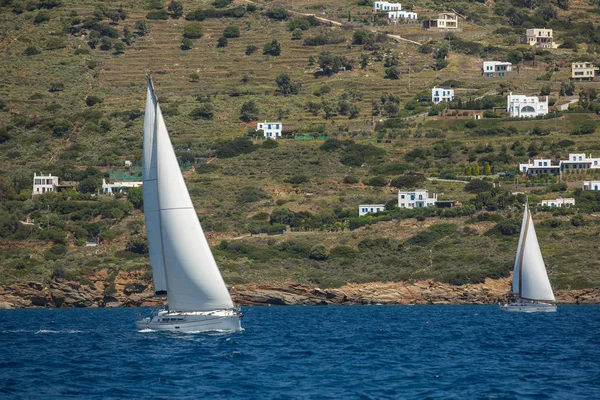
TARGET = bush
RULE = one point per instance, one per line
(193, 30)
(407, 181)
(41, 16)
(93, 100)
(234, 147)
(32, 51)
(206, 168)
(231, 32)
(137, 244)
(587, 128)
(221, 3)
(319, 252)
(251, 194)
(297, 179)
(205, 111)
(158, 15)
(478, 186)
(272, 48)
(277, 12)
(508, 227)
(222, 42)
(250, 49)
(186, 44)
(378, 181)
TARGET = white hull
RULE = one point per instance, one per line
(193, 322)
(528, 307)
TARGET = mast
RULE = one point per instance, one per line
(526, 220)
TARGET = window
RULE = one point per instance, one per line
(501, 74)
(269, 127)
(401, 196)
(412, 196)
(545, 163)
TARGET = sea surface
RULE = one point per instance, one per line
(333, 352)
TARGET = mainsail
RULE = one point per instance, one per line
(530, 279)
(150, 189)
(193, 280)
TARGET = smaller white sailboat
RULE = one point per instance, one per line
(183, 266)
(530, 280)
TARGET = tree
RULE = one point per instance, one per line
(272, 48)
(515, 57)
(106, 43)
(331, 63)
(249, 111)
(545, 91)
(222, 42)
(286, 85)
(477, 185)
(364, 60)
(119, 47)
(137, 244)
(114, 16)
(193, 30)
(186, 44)
(392, 73)
(194, 77)
(176, 9)
(354, 111)
(32, 51)
(297, 34)
(567, 88)
(141, 27)
(546, 11)
(281, 215)
(90, 184)
(232, 32)
(135, 197)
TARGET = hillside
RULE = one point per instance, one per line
(72, 92)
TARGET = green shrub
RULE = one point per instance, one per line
(478, 186)
(277, 12)
(137, 244)
(193, 30)
(231, 32)
(93, 100)
(251, 194)
(319, 252)
(32, 51)
(206, 168)
(407, 181)
(204, 111)
(297, 179)
(158, 15)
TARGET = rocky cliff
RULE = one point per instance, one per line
(132, 288)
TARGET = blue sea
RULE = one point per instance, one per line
(345, 352)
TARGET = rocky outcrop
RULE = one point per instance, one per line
(134, 288)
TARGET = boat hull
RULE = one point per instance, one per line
(528, 307)
(193, 322)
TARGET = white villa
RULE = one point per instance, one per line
(118, 187)
(521, 106)
(364, 209)
(441, 94)
(547, 166)
(560, 202)
(44, 183)
(540, 38)
(496, 68)
(409, 15)
(385, 6)
(591, 185)
(417, 198)
(443, 21)
(272, 130)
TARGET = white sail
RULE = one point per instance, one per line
(517, 266)
(194, 282)
(535, 284)
(150, 188)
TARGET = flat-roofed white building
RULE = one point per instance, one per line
(560, 202)
(496, 68)
(416, 199)
(521, 106)
(443, 21)
(118, 187)
(385, 6)
(575, 161)
(272, 130)
(540, 37)
(44, 183)
(441, 94)
(408, 15)
(364, 209)
(591, 185)
(583, 71)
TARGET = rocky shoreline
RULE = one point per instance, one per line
(132, 289)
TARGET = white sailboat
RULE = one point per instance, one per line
(530, 280)
(183, 266)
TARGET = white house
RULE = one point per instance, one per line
(441, 94)
(385, 6)
(443, 21)
(560, 202)
(118, 187)
(496, 68)
(546, 166)
(417, 198)
(591, 185)
(272, 130)
(44, 183)
(370, 209)
(408, 15)
(521, 106)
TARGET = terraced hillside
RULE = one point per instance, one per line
(72, 95)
